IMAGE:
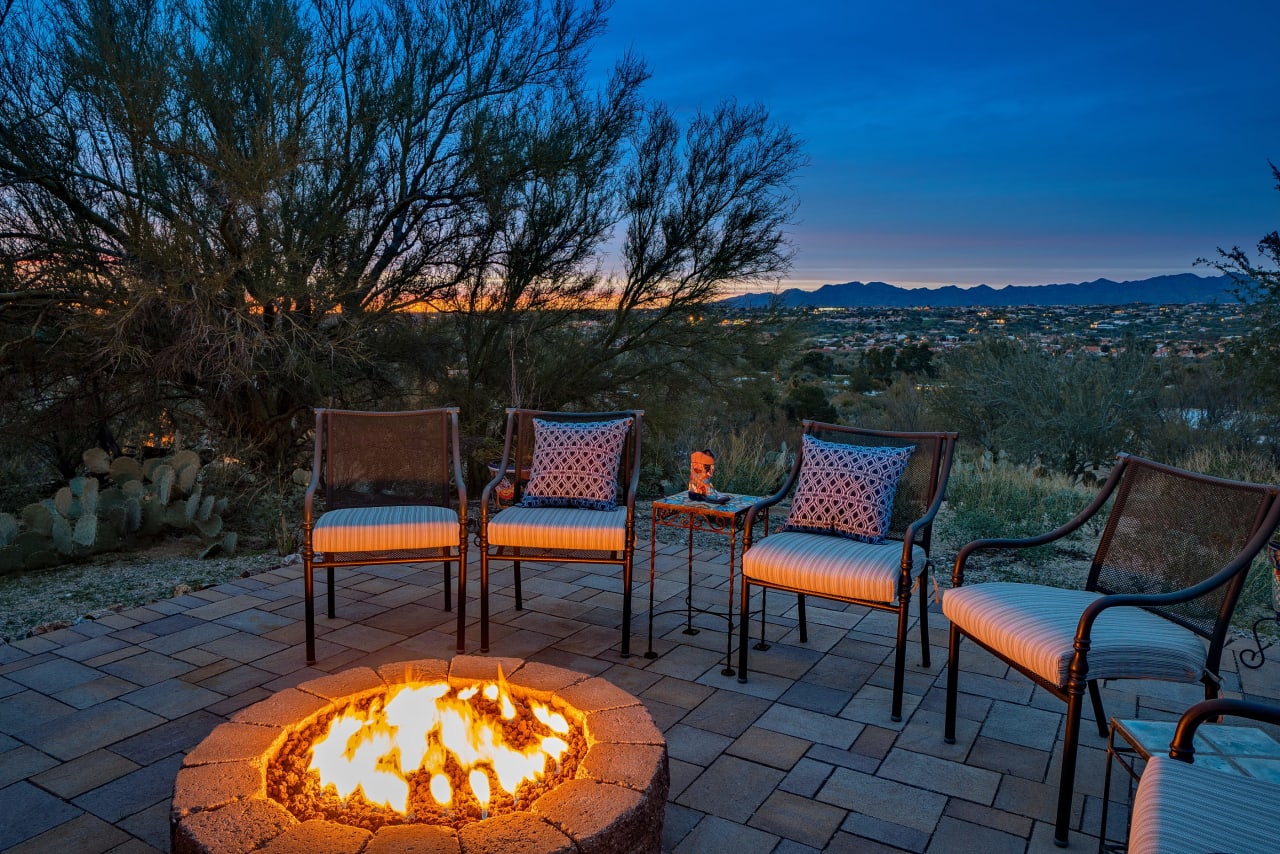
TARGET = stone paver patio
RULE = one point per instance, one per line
(95, 719)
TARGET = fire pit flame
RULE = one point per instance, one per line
(415, 728)
(599, 782)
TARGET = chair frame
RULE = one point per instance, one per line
(519, 426)
(1231, 577)
(1182, 747)
(312, 560)
(917, 533)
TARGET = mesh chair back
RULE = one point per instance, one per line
(919, 482)
(522, 441)
(378, 459)
(1170, 529)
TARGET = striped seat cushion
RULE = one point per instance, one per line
(560, 528)
(1036, 626)
(831, 566)
(386, 529)
(1188, 809)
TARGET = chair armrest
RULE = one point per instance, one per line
(489, 487)
(957, 573)
(1074, 524)
(633, 485)
(1182, 747)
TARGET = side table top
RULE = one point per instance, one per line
(683, 503)
(1241, 749)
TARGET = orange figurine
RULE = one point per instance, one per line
(702, 465)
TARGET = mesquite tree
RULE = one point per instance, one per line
(234, 210)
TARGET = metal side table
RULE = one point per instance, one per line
(679, 511)
(1244, 750)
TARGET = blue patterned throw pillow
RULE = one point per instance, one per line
(575, 464)
(846, 490)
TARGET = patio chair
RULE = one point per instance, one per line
(575, 493)
(1174, 552)
(393, 493)
(1184, 808)
(859, 531)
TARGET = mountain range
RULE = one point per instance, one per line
(1182, 288)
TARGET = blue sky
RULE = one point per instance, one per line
(993, 142)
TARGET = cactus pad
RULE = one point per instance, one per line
(8, 529)
(37, 518)
(65, 501)
(85, 532)
(96, 460)
(185, 458)
(185, 476)
(163, 477)
(124, 469)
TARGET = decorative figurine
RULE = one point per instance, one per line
(702, 465)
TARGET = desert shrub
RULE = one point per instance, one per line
(1232, 460)
(994, 498)
(751, 459)
(900, 406)
(24, 477)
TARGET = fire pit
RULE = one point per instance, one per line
(494, 755)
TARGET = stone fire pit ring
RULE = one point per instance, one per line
(614, 805)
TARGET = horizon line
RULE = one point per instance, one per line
(809, 285)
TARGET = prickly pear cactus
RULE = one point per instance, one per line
(61, 535)
(38, 518)
(84, 534)
(162, 477)
(125, 469)
(185, 458)
(97, 461)
(115, 501)
(66, 503)
(88, 495)
(8, 529)
(185, 476)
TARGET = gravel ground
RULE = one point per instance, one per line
(32, 602)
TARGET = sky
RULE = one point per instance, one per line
(957, 142)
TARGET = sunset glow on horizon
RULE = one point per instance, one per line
(991, 143)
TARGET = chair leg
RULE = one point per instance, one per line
(448, 578)
(900, 657)
(1099, 716)
(1211, 687)
(953, 673)
(924, 620)
(744, 618)
(1067, 783)
(309, 604)
(484, 598)
(462, 598)
(515, 565)
(763, 644)
(626, 606)
(804, 626)
(332, 605)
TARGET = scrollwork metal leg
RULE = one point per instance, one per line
(1255, 658)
